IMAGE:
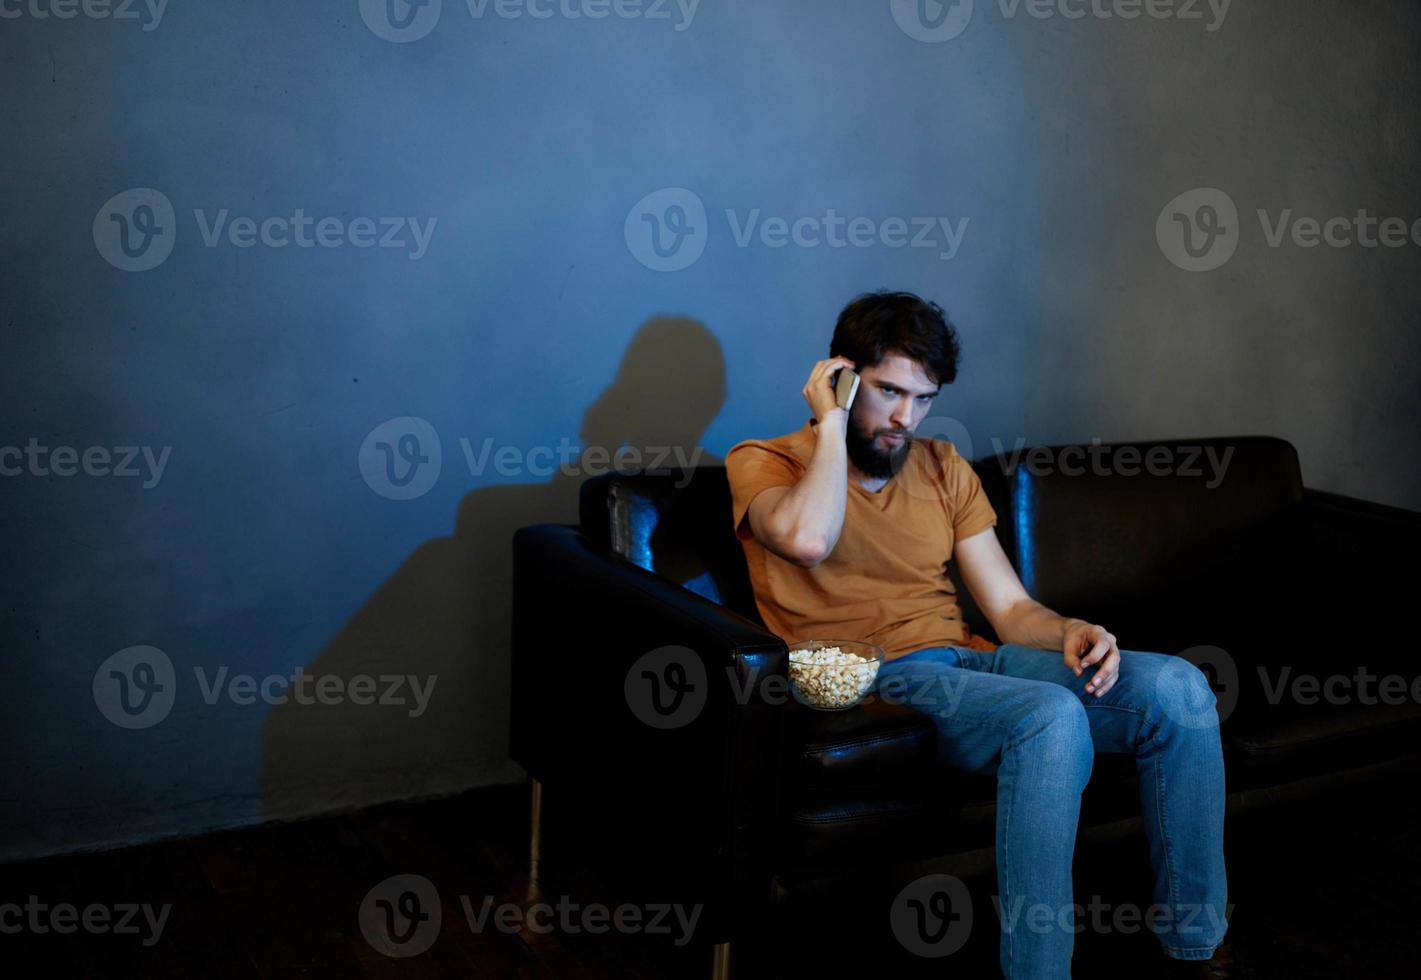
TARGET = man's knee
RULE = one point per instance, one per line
(1182, 690)
(1056, 716)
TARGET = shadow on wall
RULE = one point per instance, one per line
(443, 617)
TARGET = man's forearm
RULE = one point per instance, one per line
(1032, 624)
(812, 513)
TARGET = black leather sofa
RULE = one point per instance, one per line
(756, 798)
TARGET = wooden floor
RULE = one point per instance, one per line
(1330, 891)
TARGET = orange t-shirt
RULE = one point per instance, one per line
(886, 580)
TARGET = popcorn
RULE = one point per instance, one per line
(831, 677)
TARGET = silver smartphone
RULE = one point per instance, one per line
(846, 387)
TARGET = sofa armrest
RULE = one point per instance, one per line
(1347, 526)
(590, 632)
(1356, 545)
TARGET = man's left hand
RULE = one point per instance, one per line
(1085, 645)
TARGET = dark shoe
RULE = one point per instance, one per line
(1217, 967)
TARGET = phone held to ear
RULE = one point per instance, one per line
(846, 387)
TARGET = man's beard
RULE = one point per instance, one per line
(878, 463)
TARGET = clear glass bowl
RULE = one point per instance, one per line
(840, 681)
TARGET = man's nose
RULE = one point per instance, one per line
(902, 415)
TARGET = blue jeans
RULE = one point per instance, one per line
(1020, 712)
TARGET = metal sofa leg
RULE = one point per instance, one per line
(720, 965)
(535, 841)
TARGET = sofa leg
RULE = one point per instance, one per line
(720, 964)
(535, 840)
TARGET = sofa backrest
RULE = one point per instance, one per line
(1091, 523)
(675, 523)
(1080, 528)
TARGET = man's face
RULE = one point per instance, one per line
(893, 397)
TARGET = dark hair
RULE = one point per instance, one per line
(875, 325)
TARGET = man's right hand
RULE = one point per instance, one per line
(819, 392)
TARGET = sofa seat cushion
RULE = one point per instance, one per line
(942, 812)
(874, 743)
(1303, 703)
(1291, 740)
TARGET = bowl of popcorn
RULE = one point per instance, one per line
(831, 675)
